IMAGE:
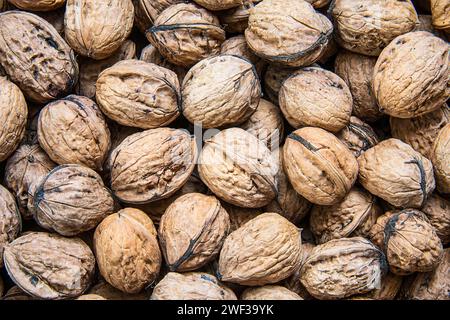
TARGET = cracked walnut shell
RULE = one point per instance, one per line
(10, 221)
(269, 292)
(41, 5)
(441, 159)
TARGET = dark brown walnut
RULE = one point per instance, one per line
(42, 5)
(152, 165)
(440, 12)
(441, 160)
(191, 286)
(315, 97)
(411, 243)
(265, 250)
(127, 250)
(395, 172)
(411, 75)
(239, 168)
(421, 132)
(96, 29)
(48, 266)
(15, 293)
(26, 166)
(358, 136)
(388, 290)
(90, 69)
(192, 231)
(221, 91)
(139, 94)
(73, 131)
(13, 112)
(235, 20)
(293, 282)
(376, 233)
(185, 33)
(345, 219)
(10, 221)
(273, 80)
(437, 210)
(108, 292)
(146, 11)
(319, 166)
(240, 216)
(217, 5)
(343, 267)
(90, 297)
(288, 32)
(269, 292)
(50, 75)
(367, 26)
(357, 71)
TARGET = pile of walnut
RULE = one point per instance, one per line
(329, 176)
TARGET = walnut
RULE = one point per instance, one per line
(273, 80)
(269, 292)
(437, 210)
(439, 155)
(235, 20)
(108, 292)
(293, 282)
(388, 290)
(358, 136)
(146, 11)
(440, 14)
(90, 297)
(42, 5)
(319, 3)
(55, 18)
(10, 221)
(426, 24)
(240, 216)
(216, 5)
(15, 293)
(376, 232)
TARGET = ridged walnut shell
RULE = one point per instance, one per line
(139, 94)
(395, 172)
(192, 231)
(96, 29)
(107, 291)
(48, 266)
(216, 5)
(240, 216)
(411, 75)
(73, 131)
(293, 282)
(343, 267)
(319, 166)
(269, 292)
(127, 250)
(55, 18)
(41, 5)
(235, 20)
(191, 286)
(265, 250)
(288, 32)
(152, 165)
(186, 33)
(440, 12)
(376, 233)
(239, 168)
(35, 57)
(437, 210)
(10, 220)
(146, 11)
(388, 290)
(426, 24)
(274, 77)
(441, 159)
(221, 91)
(358, 136)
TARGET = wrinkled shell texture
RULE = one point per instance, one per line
(152, 165)
(10, 221)
(238, 46)
(343, 267)
(358, 136)
(191, 286)
(216, 5)
(239, 168)
(146, 11)
(47, 76)
(417, 87)
(41, 5)
(319, 166)
(273, 80)
(127, 250)
(186, 33)
(73, 131)
(437, 210)
(235, 20)
(425, 24)
(388, 290)
(376, 233)
(107, 291)
(293, 282)
(265, 250)
(441, 159)
(96, 29)
(240, 216)
(269, 292)
(395, 172)
(220, 91)
(55, 18)
(440, 13)
(48, 266)
(15, 293)
(139, 94)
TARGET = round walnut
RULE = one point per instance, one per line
(395, 172)
(221, 91)
(50, 76)
(127, 250)
(90, 297)
(343, 267)
(441, 160)
(315, 97)
(217, 5)
(238, 46)
(185, 33)
(48, 266)
(319, 166)
(13, 112)
(191, 286)
(269, 292)
(42, 5)
(235, 20)
(73, 131)
(192, 231)
(10, 221)
(273, 80)
(265, 250)
(358, 136)
(239, 168)
(146, 11)
(288, 32)
(108, 292)
(437, 210)
(96, 29)
(152, 165)
(411, 75)
(139, 94)
(440, 12)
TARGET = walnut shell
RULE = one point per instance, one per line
(273, 80)
(395, 172)
(220, 91)
(315, 97)
(426, 24)
(191, 286)
(293, 282)
(376, 233)
(90, 297)
(108, 292)
(319, 3)
(269, 292)
(55, 18)
(265, 250)
(437, 210)
(217, 5)
(10, 221)
(146, 11)
(15, 293)
(441, 159)
(96, 29)
(440, 12)
(48, 266)
(343, 267)
(73, 131)
(41, 5)
(358, 136)
(152, 165)
(388, 290)
(288, 32)
(127, 250)
(411, 75)
(319, 166)
(239, 168)
(235, 20)
(50, 76)
(240, 216)
(186, 33)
